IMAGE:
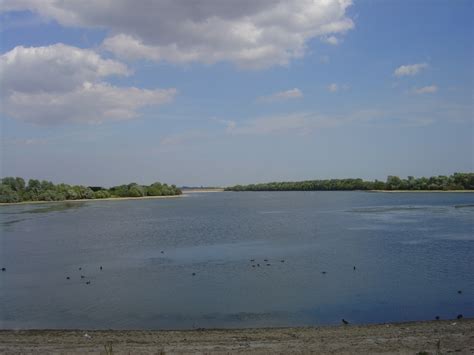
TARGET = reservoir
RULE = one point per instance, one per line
(237, 259)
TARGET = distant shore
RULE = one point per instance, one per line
(429, 191)
(431, 337)
(185, 191)
(90, 199)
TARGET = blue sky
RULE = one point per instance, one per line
(220, 93)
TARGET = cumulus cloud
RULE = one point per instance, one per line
(59, 83)
(54, 68)
(249, 33)
(282, 96)
(409, 69)
(426, 89)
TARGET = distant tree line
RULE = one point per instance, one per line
(14, 189)
(457, 181)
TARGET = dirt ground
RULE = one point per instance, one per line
(432, 337)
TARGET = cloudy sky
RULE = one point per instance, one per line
(213, 92)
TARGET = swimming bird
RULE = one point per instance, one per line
(344, 321)
(282, 261)
(100, 268)
(194, 274)
(4, 269)
(323, 272)
(162, 252)
(88, 282)
(265, 259)
(268, 264)
(80, 268)
(82, 276)
(258, 265)
(459, 316)
(354, 267)
(437, 317)
(253, 265)
(252, 260)
(67, 278)
(459, 291)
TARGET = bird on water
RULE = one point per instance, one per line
(344, 321)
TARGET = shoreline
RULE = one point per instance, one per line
(184, 192)
(90, 200)
(408, 337)
(201, 190)
(421, 191)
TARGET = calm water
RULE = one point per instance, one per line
(412, 252)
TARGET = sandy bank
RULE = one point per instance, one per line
(90, 200)
(402, 338)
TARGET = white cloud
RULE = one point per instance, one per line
(54, 68)
(331, 40)
(282, 96)
(337, 87)
(59, 83)
(333, 87)
(249, 33)
(410, 69)
(426, 89)
(299, 123)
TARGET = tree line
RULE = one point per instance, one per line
(457, 181)
(14, 189)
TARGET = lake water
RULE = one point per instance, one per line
(186, 262)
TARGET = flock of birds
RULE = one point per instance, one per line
(254, 264)
(88, 282)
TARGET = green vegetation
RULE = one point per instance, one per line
(14, 189)
(457, 181)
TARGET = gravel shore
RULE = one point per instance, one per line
(431, 337)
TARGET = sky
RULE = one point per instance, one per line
(216, 93)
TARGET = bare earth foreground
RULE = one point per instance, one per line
(432, 337)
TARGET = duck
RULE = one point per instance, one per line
(4, 269)
(344, 321)
(459, 316)
(100, 268)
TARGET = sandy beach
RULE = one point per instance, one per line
(90, 200)
(430, 337)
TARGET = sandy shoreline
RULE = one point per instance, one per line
(400, 338)
(89, 200)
